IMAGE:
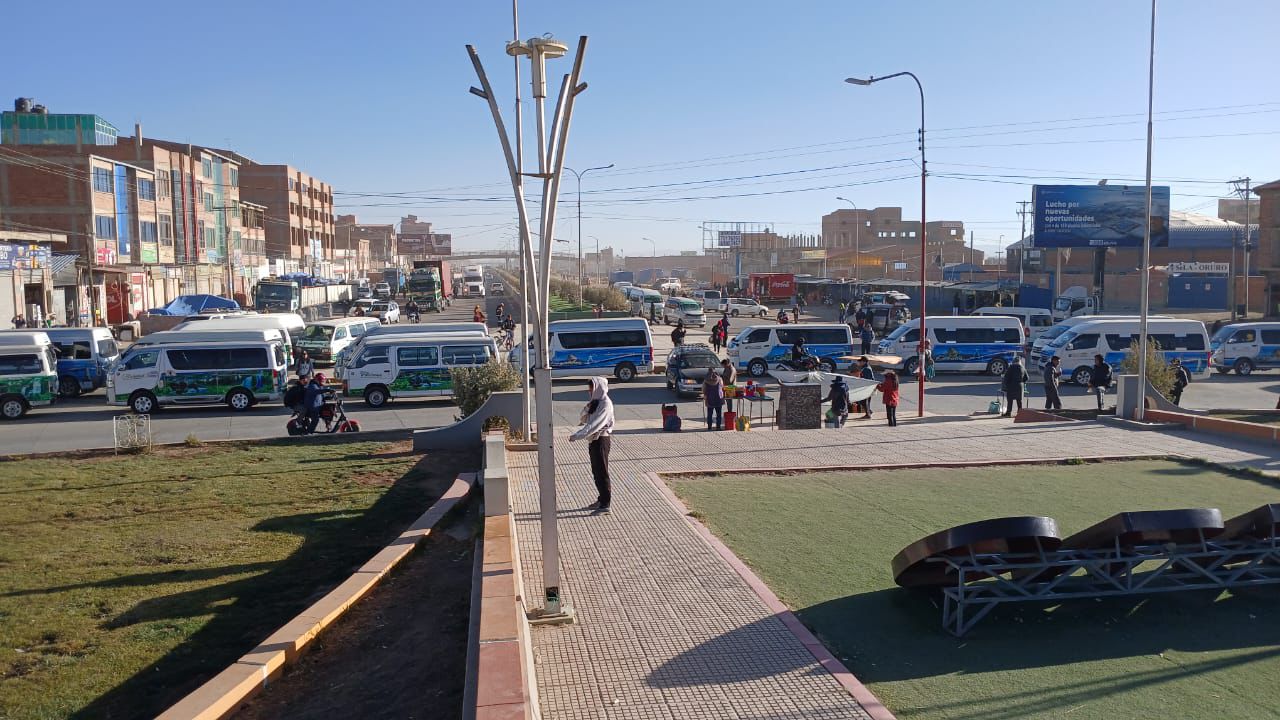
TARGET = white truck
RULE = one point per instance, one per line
(1075, 301)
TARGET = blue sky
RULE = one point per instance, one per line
(691, 101)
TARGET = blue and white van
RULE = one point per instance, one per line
(587, 348)
(1040, 343)
(759, 347)
(1185, 340)
(387, 367)
(1245, 347)
(974, 343)
(84, 356)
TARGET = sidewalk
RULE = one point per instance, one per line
(667, 629)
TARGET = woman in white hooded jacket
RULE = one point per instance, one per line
(597, 426)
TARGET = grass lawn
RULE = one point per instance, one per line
(824, 541)
(127, 581)
(560, 304)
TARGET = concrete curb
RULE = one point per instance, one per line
(225, 692)
(829, 662)
(957, 464)
(1219, 426)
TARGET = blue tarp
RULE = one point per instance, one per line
(184, 305)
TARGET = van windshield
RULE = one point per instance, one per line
(1054, 332)
(1223, 333)
(319, 332)
(899, 332)
(1064, 339)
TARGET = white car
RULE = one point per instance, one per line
(743, 306)
(382, 290)
(387, 311)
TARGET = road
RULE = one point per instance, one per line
(86, 422)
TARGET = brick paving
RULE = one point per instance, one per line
(667, 629)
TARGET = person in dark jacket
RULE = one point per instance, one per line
(862, 369)
(313, 400)
(838, 396)
(1014, 378)
(797, 350)
(1052, 376)
(1181, 379)
(677, 335)
(867, 335)
(1100, 379)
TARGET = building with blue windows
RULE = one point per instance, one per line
(29, 124)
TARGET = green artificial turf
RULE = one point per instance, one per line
(126, 581)
(823, 542)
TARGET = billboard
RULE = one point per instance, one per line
(1068, 216)
(730, 239)
(424, 244)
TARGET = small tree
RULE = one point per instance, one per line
(473, 385)
(1159, 373)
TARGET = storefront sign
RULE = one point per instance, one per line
(1204, 268)
(105, 255)
(23, 257)
(150, 253)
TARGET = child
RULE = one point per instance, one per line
(889, 386)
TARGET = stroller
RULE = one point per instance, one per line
(333, 417)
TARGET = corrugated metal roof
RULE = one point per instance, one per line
(58, 263)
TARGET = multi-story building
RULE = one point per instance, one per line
(29, 124)
(881, 232)
(416, 240)
(299, 227)
(1267, 253)
(365, 246)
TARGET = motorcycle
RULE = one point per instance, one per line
(332, 415)
(414, 317)
(808, 363)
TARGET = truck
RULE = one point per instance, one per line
(772, 286)
(426, 284)
(394, 278)
(618, 276)
(1074, 301)
(293, 295)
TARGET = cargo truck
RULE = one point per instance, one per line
(772, 286)
(289, 295)
(426, 284)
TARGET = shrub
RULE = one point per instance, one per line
(1159, 373)
(611, 298)
(472, 386)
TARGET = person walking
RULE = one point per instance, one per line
(477, 315)
(1181, 379)
(597, 430)
(1052, 377)
(729, 376)
(1100, 379)
(306, 368)
(867, 335)
(677, 335)
(838, 396)
(1014, 378)
(862, 369)
(713, 399)
(889, 387)
(716, 337)
(927, 351)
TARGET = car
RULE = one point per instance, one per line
(678, 309)
(382, 290)
(497, 288)
(364, 305)
(687, 367)
(364, 291)
(387, 311)
(743, 306)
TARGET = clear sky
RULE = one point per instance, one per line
(710, 111)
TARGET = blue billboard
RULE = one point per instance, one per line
(1099, 215)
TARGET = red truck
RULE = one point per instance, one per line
(772, 286)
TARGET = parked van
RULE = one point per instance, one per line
(240, 373)
(710, 299)
(290, 325)
(586, 348)
(28, 372)
(960, 343)
(1182, 339)
(212, 335)
(1245, 347)
(413, 365)
(84, 354)
(676, 309)
(1048, 336)
(642, 299)
(758, 347)
(324, 339)
(1035, 321)
(470, 328)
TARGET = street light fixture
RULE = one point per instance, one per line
(581, 277)
(923, 244)
(857, 242)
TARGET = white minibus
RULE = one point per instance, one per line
(1035, 321)
(340, 362)
(586, 348)
(1048, 336)
(84, 355)
(324, 339)
(239, 373)
(28, 372)
(1185, 340)
(291, 324)
(1245, 347)
(960, 343)
(408, 365)
(759, 347)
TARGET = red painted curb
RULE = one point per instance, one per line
(831, 663)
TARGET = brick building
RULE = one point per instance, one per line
(366, 246)
(1268, 251)
(300, 225)
(883, 234)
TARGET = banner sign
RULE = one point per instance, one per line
(1206, 268)
(23, 257)
(424, 244)
(150, 253)
(1099, 216)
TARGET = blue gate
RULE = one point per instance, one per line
(1207, 292)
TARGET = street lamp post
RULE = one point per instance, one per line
(923, 246)
(581, 277)
(598, 276)
(857, 242)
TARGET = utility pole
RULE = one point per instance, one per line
(1022, 245)
(1242, 187)
(526, 295)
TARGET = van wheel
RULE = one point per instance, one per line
(1223, 370)
(625, 372)
(13, 407)
(1082, 376)
(998, 367)
(143, 403)
(68, 387)
(239, 400)
(734, 313)
(1244, 366)
(910, 366)
(757, 367)
(375, 396)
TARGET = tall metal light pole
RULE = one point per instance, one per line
(581, 277)
(1242, 187)
(526, 398)
(593, 237)
(655, 250)
(857, 240)
(551, 151)
(1141, 412)
(923, 232)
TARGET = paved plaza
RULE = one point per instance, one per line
(668, 629)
